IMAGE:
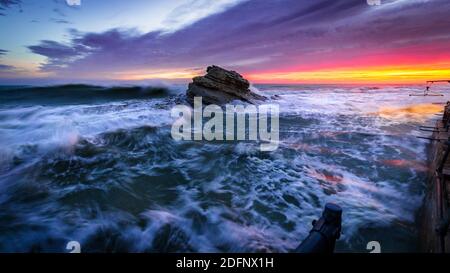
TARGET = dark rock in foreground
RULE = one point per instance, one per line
(221, 86)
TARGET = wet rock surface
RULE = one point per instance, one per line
(221, 86)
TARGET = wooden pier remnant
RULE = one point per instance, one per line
(435, 212)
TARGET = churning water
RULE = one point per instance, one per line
(98, 166)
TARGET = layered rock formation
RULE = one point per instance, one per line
(221, 86)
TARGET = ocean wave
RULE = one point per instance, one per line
(109, 175)
(78, 94)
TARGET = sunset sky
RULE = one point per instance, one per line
(276, 41)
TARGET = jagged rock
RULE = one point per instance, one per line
(221, 86)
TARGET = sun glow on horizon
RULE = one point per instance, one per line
(160, 74)
(363, 75)
(339, 75)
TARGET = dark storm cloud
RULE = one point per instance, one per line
(258, 35)
(58, 54)
(4, 67)
(7, 69)
(5, 4)
(60, 21)
(54, 50)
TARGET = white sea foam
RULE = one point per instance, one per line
(103, 173)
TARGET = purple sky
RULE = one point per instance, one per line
(259, 37)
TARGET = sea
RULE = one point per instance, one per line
(98, 165)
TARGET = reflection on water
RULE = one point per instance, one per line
(417, 165)
(420, 112)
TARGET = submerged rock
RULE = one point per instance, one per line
(221, 86)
